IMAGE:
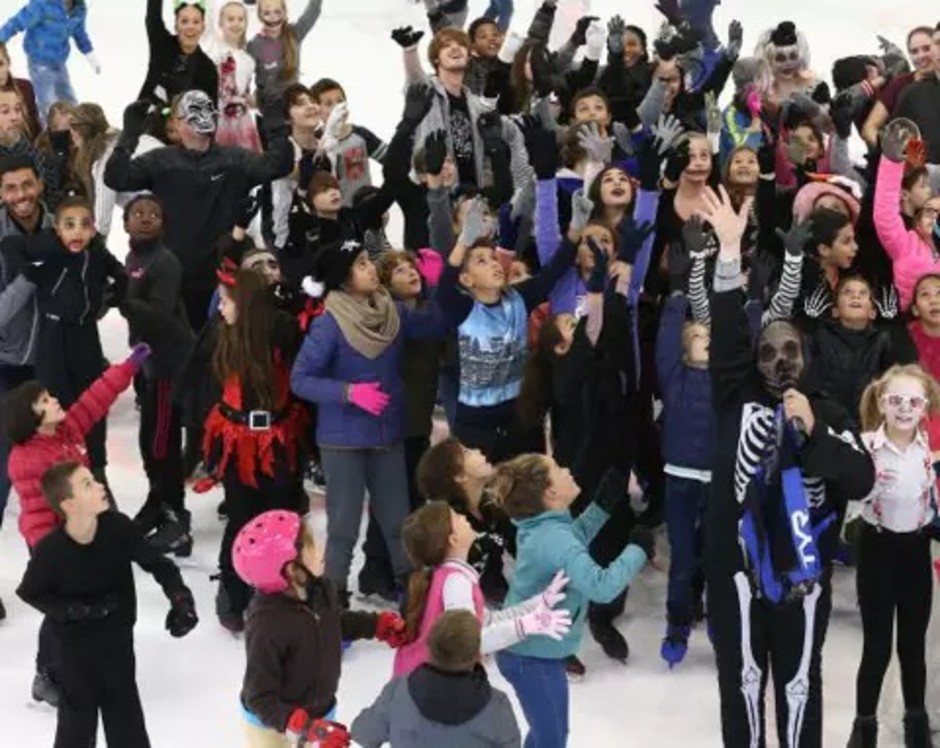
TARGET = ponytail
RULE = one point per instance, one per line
(419, 582)
(425, 534)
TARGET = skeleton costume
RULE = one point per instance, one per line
(770, 618)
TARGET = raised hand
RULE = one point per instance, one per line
(581, 208)
(693, 237)
(615, 32)
(578, 37)
(435, 152)
(735, 39)
(817, 303)
(666, 132)
(887, 303)
(406, 37)
(597, 148)
(474, 224)
(597, 280)
(729, 224)
(712, 114)
(418, 101)
(677, 161)
(894, 142)
(680, 265)
(795, 240)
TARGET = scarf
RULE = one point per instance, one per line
(368, 326)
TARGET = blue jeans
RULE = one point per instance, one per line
(501, 12)
(51, 83)
(11, 377)
(685, 511)
(542, 689)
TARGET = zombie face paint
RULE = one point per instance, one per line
(779, 357)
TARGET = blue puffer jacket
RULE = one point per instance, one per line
(49, 27)
(327, 363)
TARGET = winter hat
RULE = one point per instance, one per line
(196, 109)
(839, 187)
(333, 264)
(322, 180)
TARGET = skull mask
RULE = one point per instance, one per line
(779, 357)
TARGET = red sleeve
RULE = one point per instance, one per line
(97, 400)
(889, 95)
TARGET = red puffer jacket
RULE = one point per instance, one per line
(29, 461)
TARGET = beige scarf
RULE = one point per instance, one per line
(369, 326)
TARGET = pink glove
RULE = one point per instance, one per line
(544, 622)
(139, 353)
(552, 595)
(368, 397)
(754, 104)
(430, 265)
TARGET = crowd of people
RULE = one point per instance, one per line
(605, 282)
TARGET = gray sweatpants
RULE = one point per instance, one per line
(349, 472)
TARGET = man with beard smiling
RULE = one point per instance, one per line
(22, 213)
(786, 465)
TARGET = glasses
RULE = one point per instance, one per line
(914, 402)
(782, 57)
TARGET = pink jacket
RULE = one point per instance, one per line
(413, 655)
(912, 257)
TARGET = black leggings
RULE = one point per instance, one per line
(894, 579)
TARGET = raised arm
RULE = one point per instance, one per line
(306, 21)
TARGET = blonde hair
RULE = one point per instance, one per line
(519, 485)
(291, 45)
(13, 86)
(688, 331)
(871, 416)
(89, 121)
(243, 41)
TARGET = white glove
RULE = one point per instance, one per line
(329, 143)
(553, 594)
(595, 39)
(544, 621)
(93, 61)
(511, 46)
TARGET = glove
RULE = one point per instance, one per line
(490, 127)
(735, 40)
(430, 266)
(666, 132)
(135, 120)
(693, 236)
(916, 155)
(594, 37)
(93, 61)
(329, 143)
(630, 238)
(794, 240)
(643, 537)
(544, 621)
(418, 101)
(822, 94)
(390, 628)
(297, 725)
(246, 211)
(139, 353)
(894, 58)
(670, 9)
(842, 112)
(474, 224)
(615, 33)
(578, 38)
(597, 280)
(310, 163)
(677, 161)
(649, 165)
(435, 152)
(522, 201)
(182, 616)
(893, 144)
(611, 492)
(543, 71)
(712, 115)
(406, 37)
(581, 209)
(597, 148)
(754, 102)
(511, 46)
(817, 303)
(680, 265)
(324, 733)
(887, 303)
(367, 396)
(552, 595)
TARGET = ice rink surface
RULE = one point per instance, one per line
(190, 687)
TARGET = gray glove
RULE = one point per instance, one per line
(615, 31)
(581, 209)
(474, 224)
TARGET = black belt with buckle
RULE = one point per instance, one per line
(256, 420)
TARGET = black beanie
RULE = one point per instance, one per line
(335, 261)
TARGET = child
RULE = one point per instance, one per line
(438, 540)
(831, 252)
(447, 701)
(451, 472)
(536, 494)
(894, 567)
(80, 578)
(688, 431)
(296, 626)
(50, 25)
(225, 44)
(349, 146)
(75, 274)
(43, 434)
(925, 332)
(156, 314)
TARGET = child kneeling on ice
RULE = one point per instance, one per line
(536, 494)
(294, 634)
(447, 701)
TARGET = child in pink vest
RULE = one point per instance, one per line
(437, 540)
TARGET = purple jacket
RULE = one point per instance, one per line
(327, 363)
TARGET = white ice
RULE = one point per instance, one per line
(190, 687)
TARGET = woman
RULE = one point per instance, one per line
(93, 140)
(23, 89)
(177, 63)
(252, 434)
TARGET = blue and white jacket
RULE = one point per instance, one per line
(49, 27)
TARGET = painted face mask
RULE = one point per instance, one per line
(779, 357)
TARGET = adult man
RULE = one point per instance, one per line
(920, 102)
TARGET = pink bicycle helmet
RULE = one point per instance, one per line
(263, 546)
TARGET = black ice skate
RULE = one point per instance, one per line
(44, 689)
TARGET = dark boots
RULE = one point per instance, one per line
(44, 689)
(864, 733)
(916, 729)
(611, 640)
(376, 578)
(229, 618)
(173, 536)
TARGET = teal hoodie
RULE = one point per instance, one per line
(553, 541)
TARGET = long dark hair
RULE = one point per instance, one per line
(245, 349)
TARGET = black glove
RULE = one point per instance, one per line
(630, 238)
(611, 492)
(597, 281)
(135, 120)
(182, 616)
(579, 37)
(767, 158)
(490, 127)
(33, 272)
(418, 101)
(693, 235)
(842, 112)
(797, 237)
(543, 152)
(650, 165)
(435, 152)
(680, 265)
(543, 71)
(677, 161)
(821, 94)
(643, 537)
(406, 37)
(247, 210)
(670, 9)
(61, 142)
